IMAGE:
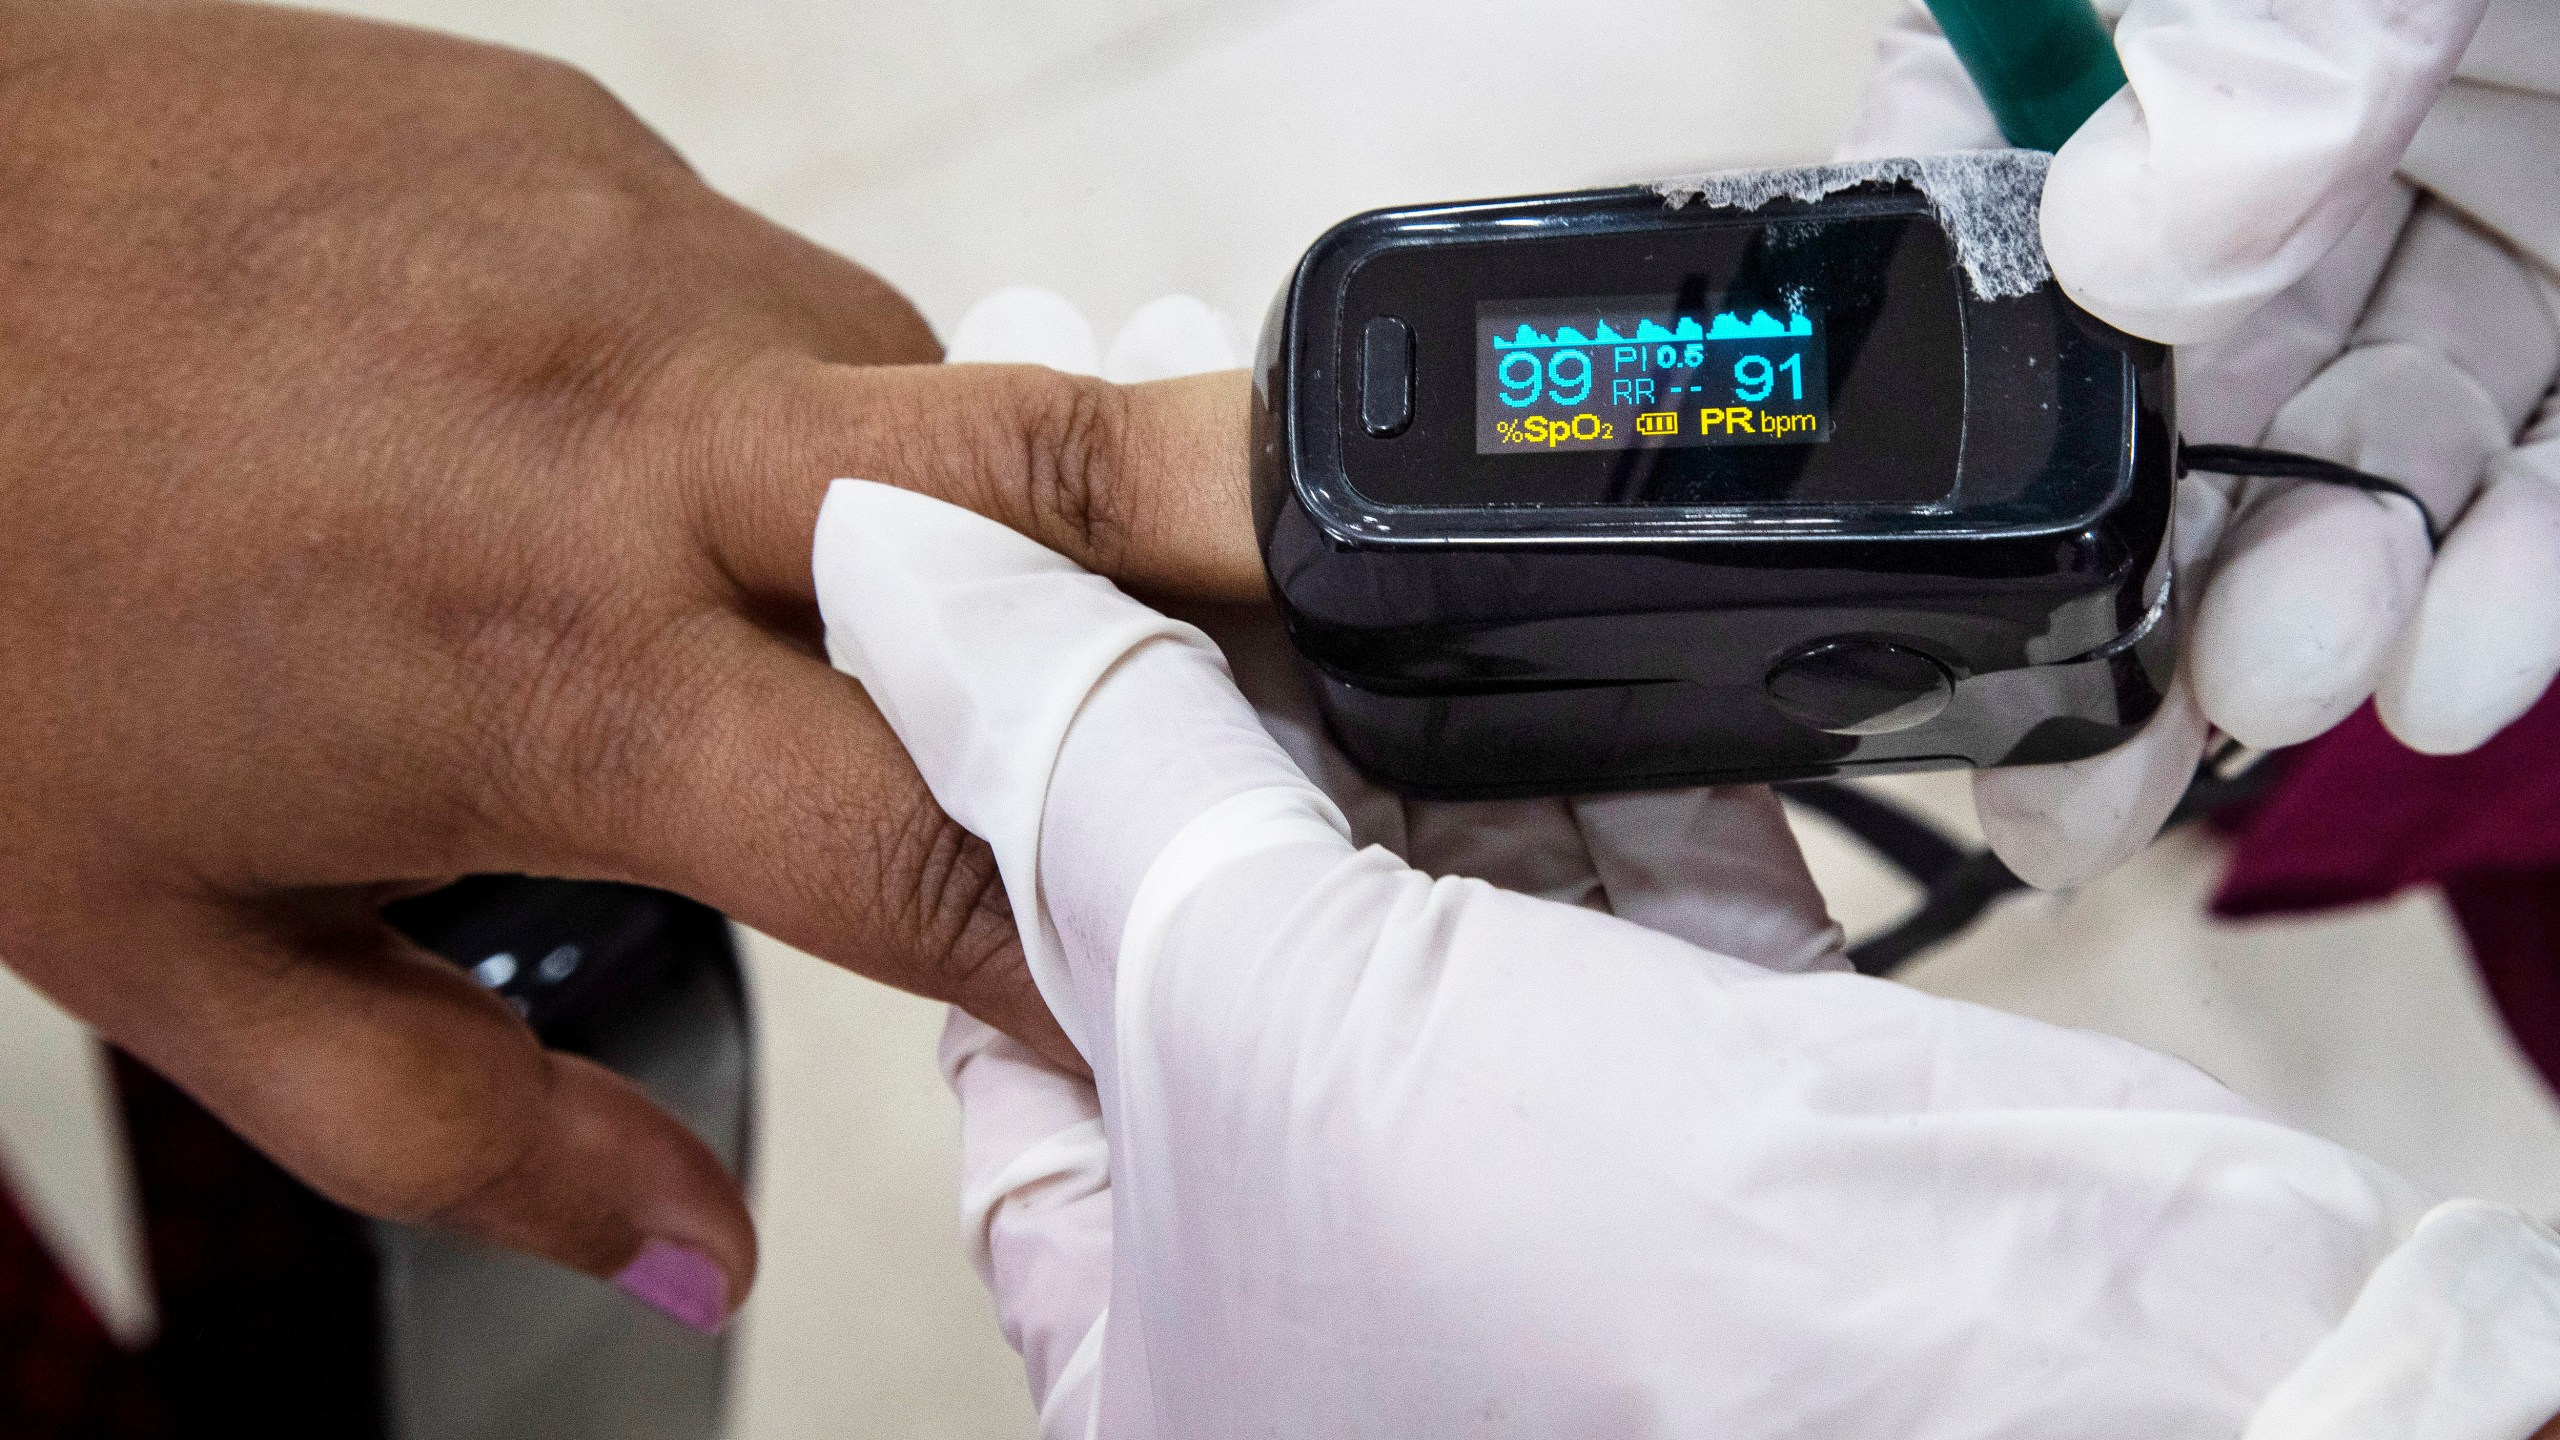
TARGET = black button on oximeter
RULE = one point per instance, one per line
(1386, 377)
(1589, 491)
(1860, 687)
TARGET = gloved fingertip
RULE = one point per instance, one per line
(2044, 854)
(2431, 728)
(1025, 325)
(2238, 154)
(2061, 826)
(1170, 337)
(2292, 631)
(2485, 642)
(1717, 866)
(2433, 695)
(2111, 250)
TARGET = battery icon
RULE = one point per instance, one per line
(1658, 422)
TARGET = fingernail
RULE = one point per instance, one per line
(679, 1283)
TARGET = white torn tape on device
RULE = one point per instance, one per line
(1986, 201)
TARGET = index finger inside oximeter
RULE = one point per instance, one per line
(1599, 490)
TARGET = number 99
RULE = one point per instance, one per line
(1754, 377)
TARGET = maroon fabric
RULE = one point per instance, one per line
(60, 1376)
(2357, 817)
(268, 1321)
(2513, 921)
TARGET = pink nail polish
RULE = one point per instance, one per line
(678, 1282)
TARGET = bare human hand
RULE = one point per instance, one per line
(407, 469)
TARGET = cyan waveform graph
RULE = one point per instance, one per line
(1725, 325)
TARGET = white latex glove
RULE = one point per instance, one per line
(2237, 198)
(1387, 1155)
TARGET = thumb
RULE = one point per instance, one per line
(416, 1095)
(2247, 141)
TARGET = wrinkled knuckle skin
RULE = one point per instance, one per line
(1073, 431)
(591, 371)
(945, 902)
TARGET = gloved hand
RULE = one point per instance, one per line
(2238, 199)
(1367, 1152)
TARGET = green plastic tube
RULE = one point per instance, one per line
(2043, 66)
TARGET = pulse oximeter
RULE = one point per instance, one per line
(1597, 490)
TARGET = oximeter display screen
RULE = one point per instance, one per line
(1622, 372)
(1707, 360)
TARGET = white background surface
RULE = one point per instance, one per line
(1118, 151)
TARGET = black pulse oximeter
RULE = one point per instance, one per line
(1586, 491)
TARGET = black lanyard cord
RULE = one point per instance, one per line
(2289, 465)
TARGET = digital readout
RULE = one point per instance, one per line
(1631, 372)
